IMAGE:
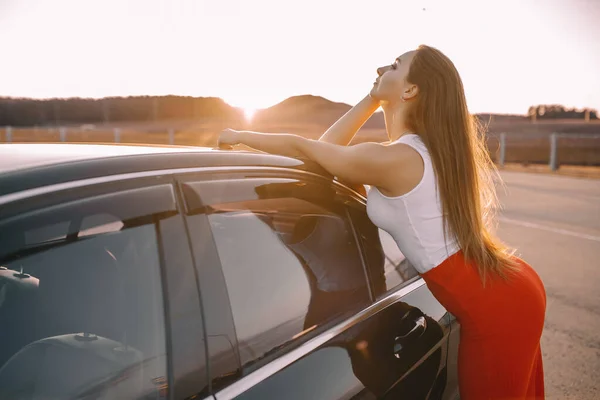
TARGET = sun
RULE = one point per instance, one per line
(249, 113)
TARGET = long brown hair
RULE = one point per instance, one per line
(464, 170)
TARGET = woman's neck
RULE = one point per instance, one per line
(395, 121)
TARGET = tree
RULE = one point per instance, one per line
(558, 111)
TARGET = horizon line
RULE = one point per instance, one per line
(255, 109)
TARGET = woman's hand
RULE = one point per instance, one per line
(274, 143)
(228, 138)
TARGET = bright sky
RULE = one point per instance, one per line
(254, 53)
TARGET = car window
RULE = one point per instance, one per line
(388, 267)
(99, 223)
(290, 262)
(398, 269)
(47, 233)
(81, 304)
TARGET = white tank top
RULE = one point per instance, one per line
(414, 219)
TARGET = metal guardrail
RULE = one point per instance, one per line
(531, 148)
(74, 134)
(538, 142)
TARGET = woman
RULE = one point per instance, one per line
(432, 191)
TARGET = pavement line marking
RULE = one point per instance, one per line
(550, 229)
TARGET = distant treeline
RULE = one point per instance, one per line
(31, 112)
(53, 112)
(557, 111)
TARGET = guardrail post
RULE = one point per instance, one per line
(171, 136)
(8, 134)
(117, 133)
(553, 151)
(63, 134)
(502, 149)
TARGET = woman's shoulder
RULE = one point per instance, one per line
(415, 142)
(410, 138)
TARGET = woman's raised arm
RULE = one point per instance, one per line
(344, 129)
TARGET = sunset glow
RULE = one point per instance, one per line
(510, 53)
(249, 113)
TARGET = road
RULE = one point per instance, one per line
(554, 223)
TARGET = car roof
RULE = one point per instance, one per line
(30, 165)
(21, 156)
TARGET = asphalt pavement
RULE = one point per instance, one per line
(554, 223)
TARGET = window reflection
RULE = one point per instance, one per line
(86, 316)
(290, 265)
(397, 268)
(388, 268)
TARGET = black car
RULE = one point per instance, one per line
(187, 273)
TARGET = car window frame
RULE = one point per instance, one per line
(130, 187)
(194, 206)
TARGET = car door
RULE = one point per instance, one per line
(392, 275)
(97, 295)
(290, 307)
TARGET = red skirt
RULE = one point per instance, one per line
(499, 353)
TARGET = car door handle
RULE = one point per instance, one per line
(418, 328)
(419, 325)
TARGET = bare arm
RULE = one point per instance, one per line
(344, 129)
(360, 164)
(364, 164)
(273, 143)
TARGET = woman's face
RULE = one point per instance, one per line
(391, 84)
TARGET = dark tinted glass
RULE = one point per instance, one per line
(291, 265)
(388, 268)
(398, 269)
(81, 305)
